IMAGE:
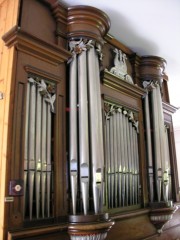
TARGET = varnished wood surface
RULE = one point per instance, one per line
(46, 28)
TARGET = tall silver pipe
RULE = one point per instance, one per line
(133, 165)
(97, 161)
(83, 129)
(38, 150)
(126, 157)
(26, 145)
(137, 162)
(31, 146)
(107, 123)
(100, 130)
(112, 169)
(48, 142)
(156, 139)
(124, 165)
(131, 161)
(73, 131)
(161, 124)
(43, 155)
(149, 147)
(115, 136)
(119, 154)
(166, 169)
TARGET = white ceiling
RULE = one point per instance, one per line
(148, 28)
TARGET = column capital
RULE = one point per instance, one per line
(87, 22)
(152, 68)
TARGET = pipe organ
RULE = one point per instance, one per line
(161, 167)
(122, 156)
(38, 144)
(87, 136)
(88, 144)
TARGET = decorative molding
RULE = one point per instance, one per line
(152, 68)
(87, 22)
(34, 46)
(32, 232)
(168, 108)
(31, 70)
(120, 66)
(89, 227)
(118, 84)
(114, 42)
(161, 213)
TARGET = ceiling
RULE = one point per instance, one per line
(148, 28)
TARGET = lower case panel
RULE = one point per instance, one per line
(130, 226)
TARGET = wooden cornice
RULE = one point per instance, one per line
(168, 108)
(118, 84)
(33, 232)
(87, 22)
(152, 68)
(114, 42)
(30, 44)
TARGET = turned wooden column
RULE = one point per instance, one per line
(86, 28)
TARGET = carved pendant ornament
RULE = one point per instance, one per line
(47, 91)
(120, 66)
(78, 46)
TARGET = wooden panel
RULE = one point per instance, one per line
(37, 20)
(139, 227)
(8, 18)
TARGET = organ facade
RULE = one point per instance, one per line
(87, 142)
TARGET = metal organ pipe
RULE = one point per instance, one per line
(73, 131)
(84, 76)
(83, 129)
(122, 156)
(96, 130)
(38, 150)
(156, 136)
(37, 169)
(31, 147)
(149, 147)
